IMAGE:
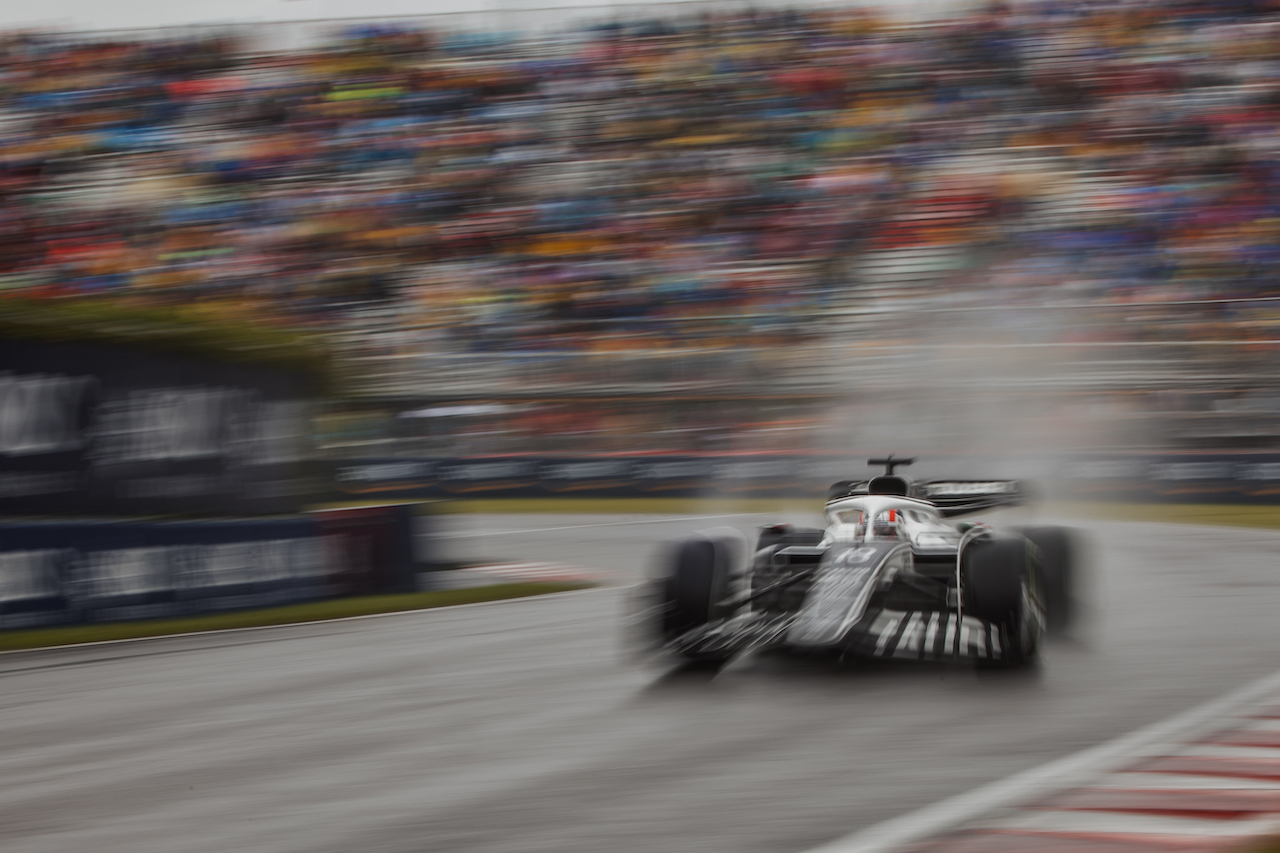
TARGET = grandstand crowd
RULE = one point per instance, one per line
(708, 179)
(690, 181)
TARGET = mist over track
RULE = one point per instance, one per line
(523, 726)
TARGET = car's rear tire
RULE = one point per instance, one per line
(998, 575)
(1058, 560)
(840, 489)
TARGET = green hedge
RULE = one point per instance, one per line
(176, 330)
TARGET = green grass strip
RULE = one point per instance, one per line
(337, 608)
(177, 330)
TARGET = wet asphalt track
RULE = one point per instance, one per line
(521, 727)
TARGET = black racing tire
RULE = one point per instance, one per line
(697, 580)
(995, 571)
(785, 534)
(1058, 556)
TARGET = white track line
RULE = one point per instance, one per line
(1068, 772)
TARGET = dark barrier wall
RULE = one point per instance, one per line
(87, 429)
(58, 572)
(1234, 478)
(374, 548)
(1184, 477)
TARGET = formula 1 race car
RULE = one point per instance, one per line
(890, 577)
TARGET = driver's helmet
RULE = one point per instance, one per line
(885, 525)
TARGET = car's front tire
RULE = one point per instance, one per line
(1002, 582)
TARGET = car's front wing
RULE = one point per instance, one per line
(923, 635)
(880, 633)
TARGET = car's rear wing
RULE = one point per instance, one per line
(951, 497)
(960, 497)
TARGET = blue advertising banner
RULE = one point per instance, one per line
(99, 571)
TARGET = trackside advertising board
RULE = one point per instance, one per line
(101, 571)
(88, 429)
(56, 572)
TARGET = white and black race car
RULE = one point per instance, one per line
(890, 577)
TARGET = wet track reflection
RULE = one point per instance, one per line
(525, 726)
